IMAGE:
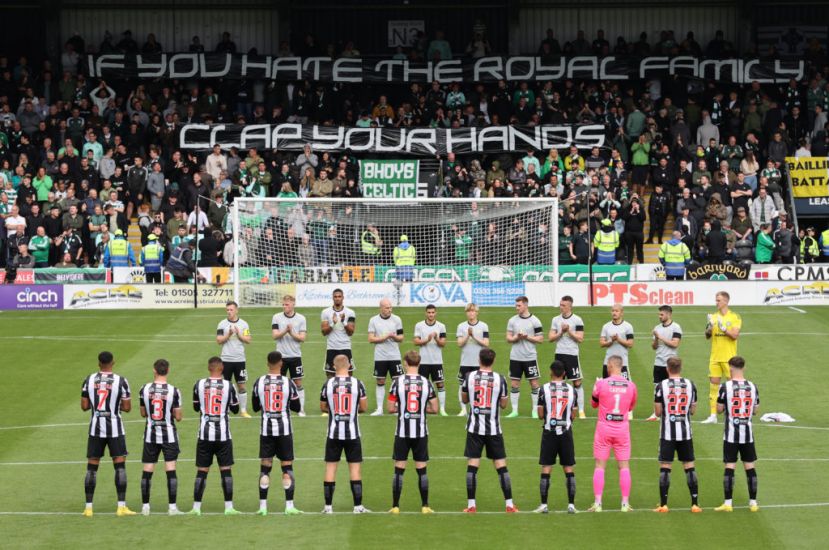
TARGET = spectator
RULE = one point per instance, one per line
(762, 209)
(765, 245)
(439, 48)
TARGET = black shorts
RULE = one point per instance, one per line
(235, 369)
(463, 371)
(334, 449)
(292, 366)
(418, 445)
(746, 452)
(279, 446)
(528, 369)
(494, 445)
(625, 372)
(391, 368)
(331, 354)
(435, 372)
(560, 446)
(95, 446)
(572, 367)
(153, 450)
(684, 451)
(206, 450)
(659, 374)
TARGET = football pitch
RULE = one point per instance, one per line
(46, 356)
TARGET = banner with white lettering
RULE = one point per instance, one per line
(410, 141)
(391, 179)
(485, 69)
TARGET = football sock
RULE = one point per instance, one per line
(172, 487)
(544, 486)
(89, 482)
(397, 486)
(460, 399)
(751, 478)
(514, 397)
(713, 391)
(693, 485)
(328, 491)
(380, 393)
(534, 394)
(598, 484)
(471, 483)
(423, 484)
(580, 397)
(624, 484)
(664, 485)
(243, 400)
(357, 492)
(570, 478)
(442, 398)
(121, 482)
(301, 393)
(728, 483)
(227, 486)
(289, 492)
(146, 482)
(263, 491)
(198, 487)
(506, 482)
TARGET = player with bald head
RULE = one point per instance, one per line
(617, 338)
(385, 331)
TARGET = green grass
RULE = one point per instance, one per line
(47, 355)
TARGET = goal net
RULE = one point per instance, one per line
(281, 242)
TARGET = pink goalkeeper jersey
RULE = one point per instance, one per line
(614, 397)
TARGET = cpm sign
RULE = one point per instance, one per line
(640, 294)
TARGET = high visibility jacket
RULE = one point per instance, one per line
(151, 256)
(119, 253)
(812, 248)
(824, 243)
(177, 261)
(368, 244)
(606, 244)
(674, 255)
(404, 257)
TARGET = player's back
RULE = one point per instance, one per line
(214, 397)
(412, 393)
(159, 399)
(105, 391)
(343, 395)
(615, 397)
(485, 390)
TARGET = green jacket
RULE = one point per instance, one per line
(765, 248)
(40, 248)
(640, 153)
(42, 186)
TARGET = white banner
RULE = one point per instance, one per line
(129, 296)
(800, 272)
(815, 293)
(438, 294)
(355, 294)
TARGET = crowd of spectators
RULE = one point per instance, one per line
(82, 159)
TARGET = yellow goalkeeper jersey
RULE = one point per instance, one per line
(723, 347)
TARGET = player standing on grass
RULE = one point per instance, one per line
(276, 396)
(233, 334)
(675, 400)
(385, 331)
(430, 335)
(739, 400)
(615, 397)
(212, 398)
(289, 329)
(161, 406)
(473, 336)
(486, 392)
(617, 337)
(411, 397)
(337, 324)
(524, 332)
(667, 336)
(556, 404)
(723, 329)
(567, 331)
(106, 394)
(342, 398)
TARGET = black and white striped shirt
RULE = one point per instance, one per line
(557, 400)
(212, 397)
(485, 390)
(105, 391)
(676, 395)
(272, 393)
(411, 393)
(159, 400)
(740, 398)
(343, 395)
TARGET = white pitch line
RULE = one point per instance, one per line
(412, 513)
(797, 309)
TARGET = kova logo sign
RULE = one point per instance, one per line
(16, 297)
(440, 293)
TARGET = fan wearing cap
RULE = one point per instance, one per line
(119, 252)
(605, 243)
(404, 259)
(152, 255)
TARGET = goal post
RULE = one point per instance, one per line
(420, 246)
